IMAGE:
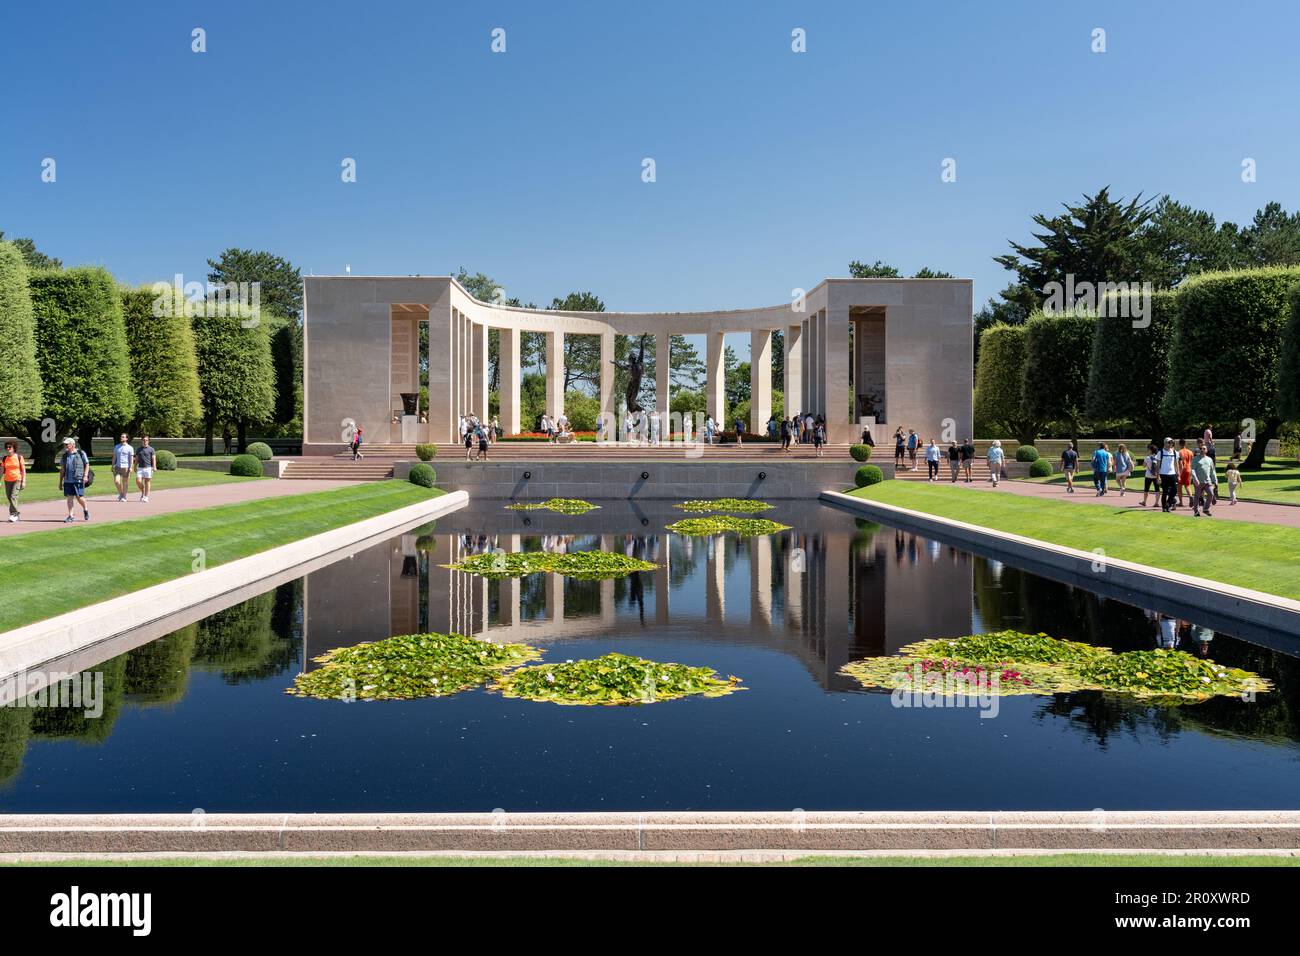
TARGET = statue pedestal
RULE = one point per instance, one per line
(410, 429)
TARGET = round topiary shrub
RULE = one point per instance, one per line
(1026, 453)
(860, 452)
(246, 466)
(1041, 468)
(165, 460)
(260, 450)
(868, 475)
(426, 452)
(423, 475)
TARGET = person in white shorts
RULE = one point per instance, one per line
(146, 460)
(123, 459)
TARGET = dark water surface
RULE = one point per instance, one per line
(200, 718)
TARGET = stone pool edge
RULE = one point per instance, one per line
(651, 833)
(1255, 607)
(28, 649)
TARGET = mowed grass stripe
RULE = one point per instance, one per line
(1259, 556)
(50, 572)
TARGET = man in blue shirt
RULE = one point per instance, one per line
(123, 459)
(1069, 462)
(1100, 466)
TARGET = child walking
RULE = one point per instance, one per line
(1233, 474)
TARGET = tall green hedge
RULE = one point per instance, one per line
(164, 371)
(236, 376)
(1058, 350)
(20, 398)
(1126, 380)
(82, 355)
(1223, 363)
(999, 384)
(1288, 363)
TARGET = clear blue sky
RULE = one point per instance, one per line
(774, 168)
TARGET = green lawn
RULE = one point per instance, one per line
(1259, 556)
(45, 573)
(1278, 482)
(1057, 859)
(44, 486)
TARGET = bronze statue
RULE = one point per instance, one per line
(635, 368)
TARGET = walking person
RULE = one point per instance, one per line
(819, 437)
(482, 436)
(356, 444)
(1203, 478)
(912, 441)
(1167, 468)
(494, 430)
(967, 459)
(995, 457)
(900, 445)
(15, 477)
(123, 459)
(1150, 473)
(1069, 464)
(932, 456)
(146, 459)
(954, 460)
(1100, 466)
(1184, 471)
(740, 433)
(74, 475)
(468, 440)
(1123, 468)
(1233, 474)
(1208, 437)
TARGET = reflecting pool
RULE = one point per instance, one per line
(199, 718)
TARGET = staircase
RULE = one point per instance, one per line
(338, 468)
(590, 451)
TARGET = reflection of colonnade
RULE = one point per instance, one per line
(838, 597)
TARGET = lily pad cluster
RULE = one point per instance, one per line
(409, 666)
(723, 524)
(564, 506)
(733, 505)
(613, 680)
(1007, 663)
(583, 565)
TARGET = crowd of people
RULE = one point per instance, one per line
(477, 436)
(1180, 476)
(76, 474)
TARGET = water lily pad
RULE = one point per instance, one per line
(734, 505)
(583, 565)
(564, 506)
(1011, 662)
(409, 666)
(613, 680)
(723, 524)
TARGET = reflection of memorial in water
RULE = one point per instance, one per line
(823, 593)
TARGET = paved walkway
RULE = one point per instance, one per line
(1287, 515)
(47, 515)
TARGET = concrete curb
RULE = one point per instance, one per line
(1225, 601)
(663, 833)
(30, 648)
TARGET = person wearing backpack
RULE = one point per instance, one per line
(15, 477)
(1150, 474)
(1167, 467)
(74, 475)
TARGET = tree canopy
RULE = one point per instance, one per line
(20, 398)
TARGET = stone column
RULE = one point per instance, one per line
(805, 377)
(715, 584)
(662, 580)
(715, 389)
(554, 373)
(555, 598)
(834, 343)
(511, 382)
(608, 426)
(815, 395)
(479, 374)
(663, 372)
(793, 384)
(442, 416)
(760, 381)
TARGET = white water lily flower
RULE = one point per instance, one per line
(1205, 680)
(550, 678)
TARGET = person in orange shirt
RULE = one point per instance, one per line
(1184, 470)
(15, 477)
